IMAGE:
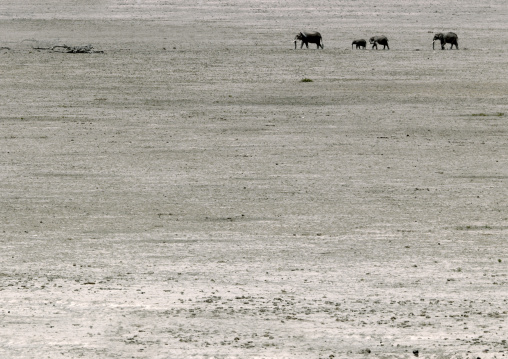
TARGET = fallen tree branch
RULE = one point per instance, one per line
(86, 49)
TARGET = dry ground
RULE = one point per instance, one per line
(184, 194)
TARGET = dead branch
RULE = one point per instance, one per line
(86, 49)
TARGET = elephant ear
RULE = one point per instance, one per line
(303, 34)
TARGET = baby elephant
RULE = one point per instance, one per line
(381, 40)
(359, 44)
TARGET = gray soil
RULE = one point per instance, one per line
(185, 194)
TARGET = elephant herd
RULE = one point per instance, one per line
(315, 38)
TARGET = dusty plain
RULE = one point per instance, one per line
(185, 195)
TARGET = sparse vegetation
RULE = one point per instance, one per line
(473, 228)
(497, 114)
(306, 80)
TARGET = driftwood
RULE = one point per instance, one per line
(86, 49)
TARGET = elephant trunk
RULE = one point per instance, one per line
(295, 44)
(433, 42)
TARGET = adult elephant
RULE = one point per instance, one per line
(309, 37)
(359, 44)
(381, 40)
(448, 38)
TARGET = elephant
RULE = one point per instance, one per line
(381, 40)
(448, 38)
(359, 44)
(309, 37)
